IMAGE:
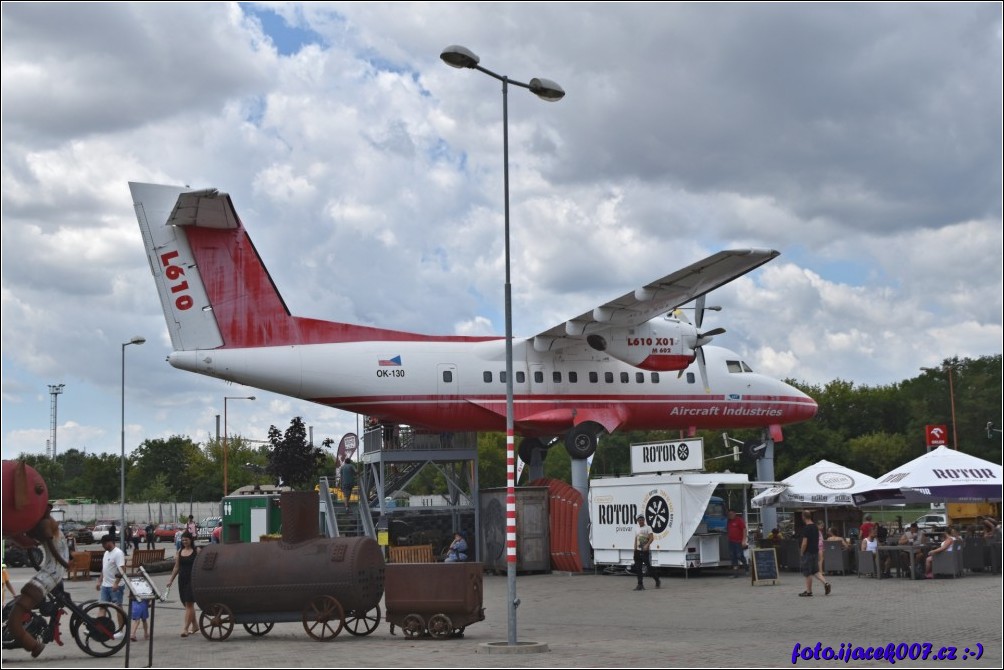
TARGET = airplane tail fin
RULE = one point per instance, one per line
(213, 286)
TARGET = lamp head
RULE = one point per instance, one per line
(138, 339)
(459, 57)
(545, 89)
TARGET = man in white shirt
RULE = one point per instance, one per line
(643, 553)
(112, 564)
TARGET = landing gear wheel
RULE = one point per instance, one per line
(413, 626)
(440, 626)
(216, 623)
(580, 442)
(528, 446)
(323, 618)
(362, 624)
(259, 629)
(98, 637)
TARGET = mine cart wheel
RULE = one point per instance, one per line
(259, 629)
(217, 622)
(362, 624)
(413, 626)
(323, 618)
(106, 633)
(440, 626)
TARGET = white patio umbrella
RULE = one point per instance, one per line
(824, 484)
(942, 474)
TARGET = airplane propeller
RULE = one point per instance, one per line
(702, 338)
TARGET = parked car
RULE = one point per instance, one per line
(102, 529)
(165, 531)
(80, 533)
(932, 522)
(206, 527)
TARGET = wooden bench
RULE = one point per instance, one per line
(421, 553)
(97, 556)
(140, 557)
(80, 566)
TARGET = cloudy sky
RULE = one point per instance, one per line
(861, 141)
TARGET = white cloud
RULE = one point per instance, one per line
(864, 145)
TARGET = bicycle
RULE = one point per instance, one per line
(97, 633)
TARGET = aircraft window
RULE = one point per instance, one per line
(594, 377)
(625, 378)
(639, 377)
(520, 377)
(487, 375)
(608, 377)
(690, 378)
(655, 377)
(734, 366)
(447, 376)
(573, 377)
(538, 377)
(556, 377)
(502, 376)
(746, 368)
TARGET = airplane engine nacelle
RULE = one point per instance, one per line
(658, 345)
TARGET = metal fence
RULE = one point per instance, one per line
(140, 514)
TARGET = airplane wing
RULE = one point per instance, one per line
(658, 297)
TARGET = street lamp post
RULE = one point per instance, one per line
(460, 57)
(951, 395)
(226, 483)
(136, 340)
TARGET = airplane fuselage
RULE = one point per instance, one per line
(458, 385)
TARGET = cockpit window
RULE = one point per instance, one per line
(738, 366)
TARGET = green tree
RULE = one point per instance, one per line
(290, 458)
(172, 458)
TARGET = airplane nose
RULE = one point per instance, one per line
(806, 408)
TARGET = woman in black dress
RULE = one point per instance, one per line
(183, 562)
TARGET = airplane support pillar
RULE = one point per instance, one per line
(536, 464)
(765, 473)
(580, 482)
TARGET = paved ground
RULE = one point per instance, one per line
(599, 621)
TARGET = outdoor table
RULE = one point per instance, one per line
(911, 548)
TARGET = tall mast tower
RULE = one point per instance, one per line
(54, 391)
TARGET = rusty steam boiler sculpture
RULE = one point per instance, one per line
(327, 583)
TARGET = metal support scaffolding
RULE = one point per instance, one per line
(392, 458)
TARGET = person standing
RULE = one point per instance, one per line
(151, 537)
(348, 480)
(866, 527)
(183, 562)
(217, 533)
(643, 553)
(735, 528)
(112, 566)
(192, 527)
(810, 555)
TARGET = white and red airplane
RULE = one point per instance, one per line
(625, 365)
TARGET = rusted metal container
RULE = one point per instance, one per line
(437, 599)
(327, 583)
(269, 577)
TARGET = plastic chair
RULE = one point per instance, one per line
(867, 563)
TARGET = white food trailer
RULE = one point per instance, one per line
(673, 499)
